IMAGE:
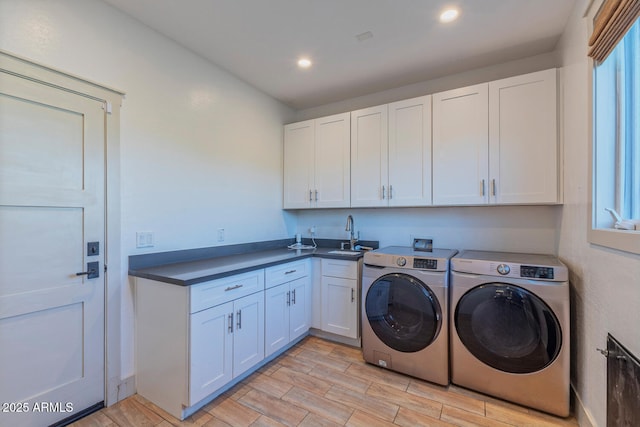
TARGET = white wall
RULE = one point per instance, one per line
(497, 228)
(471, 77)
(605, 283)
(200, 150)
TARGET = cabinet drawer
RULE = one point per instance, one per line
(219, 291)
(283, 273)
(340, 268)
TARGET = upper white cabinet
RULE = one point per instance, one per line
(523, 139)
(497, 143)
(410, 152)
(460, 146)
(316, 163)
(391, 154)
(491, 143)
(299, 181)
(369, 157)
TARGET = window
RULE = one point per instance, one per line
(616, 150)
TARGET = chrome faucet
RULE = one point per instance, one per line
(352, 237)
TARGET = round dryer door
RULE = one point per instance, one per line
(508, 328)
(403, 312)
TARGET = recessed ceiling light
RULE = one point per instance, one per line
(449, 15)
(304, 63)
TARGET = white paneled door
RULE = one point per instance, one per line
(51, 207)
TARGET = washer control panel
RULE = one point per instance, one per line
(406, 258)
(425, 263)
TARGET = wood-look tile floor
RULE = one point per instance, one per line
(321, 383)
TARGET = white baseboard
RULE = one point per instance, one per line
(337, 338)
(126, 388)
(583, 416)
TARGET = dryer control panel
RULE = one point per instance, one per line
(511, 265)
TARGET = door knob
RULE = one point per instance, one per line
(93, 270)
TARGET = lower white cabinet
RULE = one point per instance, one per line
(287, 305)
(340, 297)
(193, 340)
(225, 341)
(287, 314)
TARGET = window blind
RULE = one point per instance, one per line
(611, 24)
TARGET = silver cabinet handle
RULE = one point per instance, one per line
(316, 195)
(493, 187)
(231, 288)
(230, 323)
(239, 319)
(353, 295)
(288, 298)
(290, 271)
(310, 194)
(383, 192)
(293, 299)
(390, 192)
(482, 188)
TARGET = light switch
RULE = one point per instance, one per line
(145, 239)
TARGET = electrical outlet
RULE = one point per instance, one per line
(145, 239)
(220, 234)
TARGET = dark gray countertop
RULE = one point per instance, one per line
(188, 273)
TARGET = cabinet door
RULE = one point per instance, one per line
(298, 164)
(276, 310)
(523, 138)
(461, 146)
(369, 157)
(248, 335)
(210, 351)
(300, 308)
(410, 152)
(332, 161)
(339, 306)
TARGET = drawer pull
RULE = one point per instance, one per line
(288, 298)
(231, 288)
(293, 300)
(353, 295)
(230, 323)
(239, 319)
(290, 271)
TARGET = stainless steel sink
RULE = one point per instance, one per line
(339, 252)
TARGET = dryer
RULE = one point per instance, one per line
(405, 311)
(510, 329)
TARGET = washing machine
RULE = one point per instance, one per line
(404, 311)
(510, 329)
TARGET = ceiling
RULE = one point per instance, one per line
(260, 41)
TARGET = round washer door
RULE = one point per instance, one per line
(508, 328)
(403, 312)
